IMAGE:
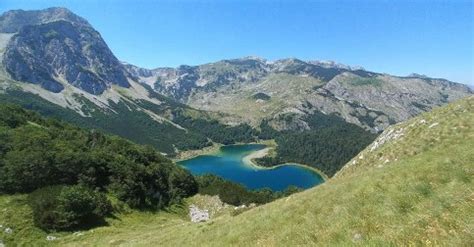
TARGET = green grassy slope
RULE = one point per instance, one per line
(422, 196)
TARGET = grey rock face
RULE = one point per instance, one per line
(12, 21)
(137, 71)
(47, 54)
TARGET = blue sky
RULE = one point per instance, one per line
(397, 37)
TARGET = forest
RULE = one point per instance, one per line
(328, 145)
(216, 131)
(73, 169)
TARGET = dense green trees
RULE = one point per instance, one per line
(216, 131)
(236, 194)
(37, 152)
(329, 144)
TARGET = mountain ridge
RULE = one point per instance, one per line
(58, 57)
(353, 93)
(12, 21)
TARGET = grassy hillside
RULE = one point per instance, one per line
(416, 188)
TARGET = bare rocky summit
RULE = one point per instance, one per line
(54, 47)
(60, 57)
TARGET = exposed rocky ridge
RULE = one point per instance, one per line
(57, 64)
(61, 52)
(12, 21)
(57, 47)
(298, 88)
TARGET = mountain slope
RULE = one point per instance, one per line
(412, 186)
(296, 88)
(56, 63)
(55, 47)
(12, 21)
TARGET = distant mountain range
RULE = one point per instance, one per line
(55, 62)
(294, 88)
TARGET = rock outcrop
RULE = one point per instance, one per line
(55, 48)
(198, 215)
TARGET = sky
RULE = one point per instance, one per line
(435, 38)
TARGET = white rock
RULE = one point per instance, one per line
(8, 230)
(357, 237)
(198, 215)
(51, 238)
(433, 125)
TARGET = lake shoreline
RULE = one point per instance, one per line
(214, 150)
(242, 168)
(189, 154)
(249, 160)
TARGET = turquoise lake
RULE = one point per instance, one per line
(228, 163)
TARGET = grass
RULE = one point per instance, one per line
(421, 196)
(17, 215)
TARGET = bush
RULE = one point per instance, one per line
(68, 207)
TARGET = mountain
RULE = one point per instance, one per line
(56, 63)
(55, 47)
(12, 21)
(293, 89)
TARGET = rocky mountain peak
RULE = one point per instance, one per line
(55, 47)
(333, 64)
(12, 21)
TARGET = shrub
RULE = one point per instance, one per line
(68, 207)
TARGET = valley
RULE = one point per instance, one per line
(95, 151)
(412, 185)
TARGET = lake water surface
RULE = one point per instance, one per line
(228, 163)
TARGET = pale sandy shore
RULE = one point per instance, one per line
(248, 160)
